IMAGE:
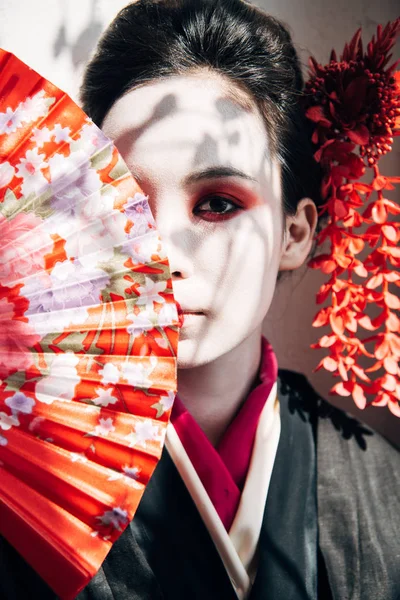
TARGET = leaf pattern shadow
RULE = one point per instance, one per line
(81, 48)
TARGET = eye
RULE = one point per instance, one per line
(217, 208)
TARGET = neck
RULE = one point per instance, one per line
(213, 393)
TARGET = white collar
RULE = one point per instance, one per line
(238, 548)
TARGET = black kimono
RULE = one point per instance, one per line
(331, 523)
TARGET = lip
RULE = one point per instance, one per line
(190, 317)
(186, 315)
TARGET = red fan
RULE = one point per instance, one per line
(88, 334)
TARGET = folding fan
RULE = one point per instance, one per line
(89, 330)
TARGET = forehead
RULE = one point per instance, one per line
(192, 119)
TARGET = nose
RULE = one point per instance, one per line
(178, 243)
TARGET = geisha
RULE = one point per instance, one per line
(263, 489)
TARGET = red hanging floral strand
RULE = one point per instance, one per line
(355, 105)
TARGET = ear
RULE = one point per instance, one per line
(298, 235)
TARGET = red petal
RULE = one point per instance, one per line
(340, 389)
(391, 300)
(329, 363)
(378, 321)
(343, 261)
(394, 408)
(356, 245)
(360, 372)
(359, 396)
(363, 187)
(327, 340)
(394, 343)
(316, 114)
(388, 382)
(323, 262)
(321, 318)
(342, 371)
(361, 270)
(340, 208)
(382, 400)
(351, 324)
(382, 349)
(391, 366)
(392, 322)
(360, 135)
(374, 281)
(392, 207)
(337, 324)
(390, 232)
(379, 182)
(323, 293)
(391, 250)
(379, 212)
(328, 266)
(392, 276)
(365, 322)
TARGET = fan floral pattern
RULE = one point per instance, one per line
(88, 324)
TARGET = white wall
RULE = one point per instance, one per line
(56, 38)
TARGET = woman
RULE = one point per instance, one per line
(263, 490)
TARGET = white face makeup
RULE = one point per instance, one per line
(222, 232)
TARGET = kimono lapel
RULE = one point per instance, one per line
(246, 527)
(236, 571)
(288, 542)
(237, 549)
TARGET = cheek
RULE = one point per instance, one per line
(243, 260)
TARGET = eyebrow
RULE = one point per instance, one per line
(214, 172)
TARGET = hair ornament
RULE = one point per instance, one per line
(354, 102)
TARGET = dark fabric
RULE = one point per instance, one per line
(324, 588)
(358, 492)
(124, 574)
(359, 487)
(175, 541)
(18, 581)
(288, 540)
(167, 553)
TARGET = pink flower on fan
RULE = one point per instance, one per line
(30, 170)
(8, 421)
(91, 139)
(60, 298)
(7, 172)
(138, 211)
(117, 518)
(31, 164)
(105, 427)
(23, 245)
(15, 339)
(36, 106)
(11, 120)
(133, 472)
(20, 403)
(73, 182)
(104, 397)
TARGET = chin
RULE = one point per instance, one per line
(194, 352)
(188, 357)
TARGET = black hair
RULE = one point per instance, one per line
(153, 39)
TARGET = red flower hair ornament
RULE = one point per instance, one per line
(354, 102)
